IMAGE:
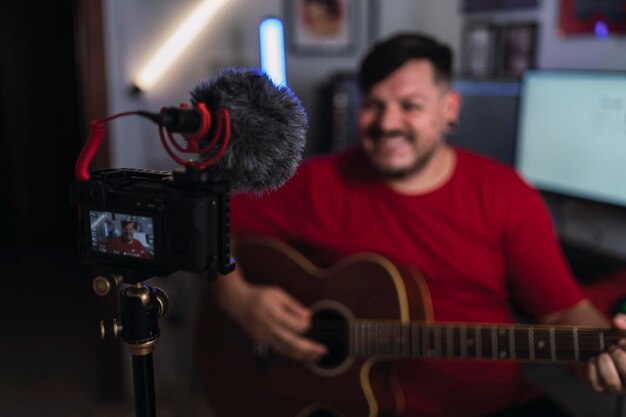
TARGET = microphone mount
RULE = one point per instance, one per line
(194, 124)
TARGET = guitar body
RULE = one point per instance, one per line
(243, 379)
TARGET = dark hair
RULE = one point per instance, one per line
(389, 54)
(127, 222)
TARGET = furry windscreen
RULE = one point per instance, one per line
(268, 128)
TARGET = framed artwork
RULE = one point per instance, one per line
(599, 17)
(499, 51)
(479, 6)
(518, 51)
(480, 47)
(320, 26)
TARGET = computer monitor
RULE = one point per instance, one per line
(572, 133)
(488, 118)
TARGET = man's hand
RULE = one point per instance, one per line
(274, 317)
(607, 371)
(269, 315)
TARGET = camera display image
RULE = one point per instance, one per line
(122, 234)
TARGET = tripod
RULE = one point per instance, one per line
(141, 306)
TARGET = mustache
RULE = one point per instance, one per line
(375, 132)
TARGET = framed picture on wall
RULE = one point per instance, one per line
(518, 50)
(480, 43)
(592, 17)
(480, 6)
(320, 27)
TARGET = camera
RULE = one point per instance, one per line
(143, 223)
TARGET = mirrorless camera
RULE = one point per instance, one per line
(143, 223)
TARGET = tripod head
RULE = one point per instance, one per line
(141, 307)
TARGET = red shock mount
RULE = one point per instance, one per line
(213, 150)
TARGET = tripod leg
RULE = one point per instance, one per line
(143, 380)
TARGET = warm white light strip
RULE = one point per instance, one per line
(177, 43)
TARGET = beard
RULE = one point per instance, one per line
(399, 173)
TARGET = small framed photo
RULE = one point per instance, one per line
(320, 26)
(592, 17)
(519, 49)
(480, 47)
(481, 6)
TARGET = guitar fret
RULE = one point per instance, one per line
(382, 345)
(486, 336)
(414, 340)
(463, 341)
(418, 339)
(601, 340)
(566, 345)
(407, 340)
(396, 339)
(503, 345)
(512, 352)
(576, 347)
(425, 341)
(531, 343)
(396, 332)
(542, 345)
(494, 342)
(361, 340)
(437, 344)
(552, 344)
(478, 341)
(358, 338)
(375, 339)
(450, 342)
(472, 351)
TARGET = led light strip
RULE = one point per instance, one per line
(177, 43)
(272, 40)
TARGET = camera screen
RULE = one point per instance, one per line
(122, 234)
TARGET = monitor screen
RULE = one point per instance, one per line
(488, 118)
(122, 234)
(572, 133)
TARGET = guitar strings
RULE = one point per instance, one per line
(385, 332)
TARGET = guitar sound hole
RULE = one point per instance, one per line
(330, 328)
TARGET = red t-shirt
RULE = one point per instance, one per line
(134, 249)
(481, 240)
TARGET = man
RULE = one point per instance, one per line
(126, 244)
(481, 236)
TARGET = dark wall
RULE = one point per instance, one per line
(40, 124)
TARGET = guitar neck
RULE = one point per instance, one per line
(528, 343)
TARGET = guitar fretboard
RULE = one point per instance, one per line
(528, 343)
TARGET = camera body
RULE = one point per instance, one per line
(143, 223)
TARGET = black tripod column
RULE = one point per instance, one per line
(141, 307)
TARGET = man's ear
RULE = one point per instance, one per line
(452, 107)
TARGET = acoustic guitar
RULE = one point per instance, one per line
(370, 313)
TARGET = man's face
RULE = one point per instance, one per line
(404, 117)
(128, 232)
